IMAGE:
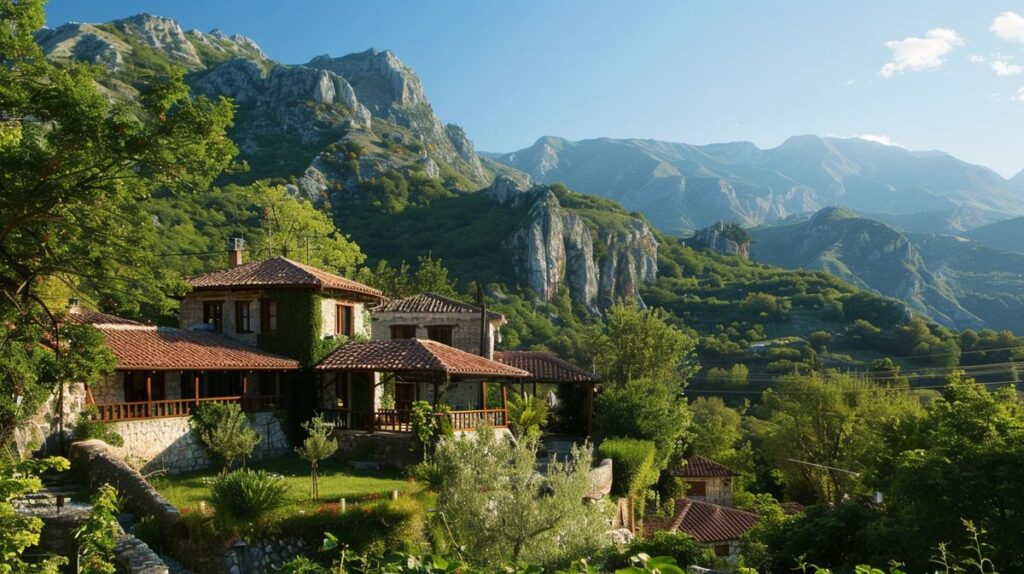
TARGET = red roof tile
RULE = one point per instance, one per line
(698, 466)
(792, 508)
(164, 349)
(82, 316)
(414, 355)
(279, 272)
(545, 367)
(432, 303)
(707, 523)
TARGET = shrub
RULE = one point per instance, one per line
(225, 431)
(98, 534)
(427, 426)
(244, 497)
(527, 416)
(633, 470)
(684, 549)
(646, 410)
(395, 525)
(87, 427)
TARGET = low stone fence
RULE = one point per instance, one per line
(170, 445)
(131, 555)
(97, 463)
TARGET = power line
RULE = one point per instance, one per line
(874, 390)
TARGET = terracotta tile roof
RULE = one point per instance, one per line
(432, 303)
(414, 355)
(698, 466)
(792, 508)
(545, 367)
(82, 316)
(279, 272)
(140, 347)
(707, 523)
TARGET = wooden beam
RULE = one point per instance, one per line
(483, 396)
(195, 387)
(149, 391)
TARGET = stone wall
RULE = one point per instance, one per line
(717, 490)
(169, 444)
(191, 312)
(465, 335)
(262, 556)
(387, 450)
(96, 462)
(459, 396)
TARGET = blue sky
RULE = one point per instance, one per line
(924, 74)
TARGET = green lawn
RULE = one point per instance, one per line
(336, 481)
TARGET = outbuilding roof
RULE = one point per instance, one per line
(705, 522)
(279, 272)
(407, 355)
(432, 303)
(545, 367)
(698, 466)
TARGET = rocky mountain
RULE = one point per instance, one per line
(957, 282)
(680, 186)
(1007, 235)
(555, 246)
(722, 238)
(306, 120)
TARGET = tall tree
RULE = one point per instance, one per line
(642, 344)
(75, 167)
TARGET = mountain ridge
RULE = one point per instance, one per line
(682, 186)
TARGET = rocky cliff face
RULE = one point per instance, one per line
(721, 238)
(292, 120)
(556, 247)
(393, 92)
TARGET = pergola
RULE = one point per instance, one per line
(420, 365)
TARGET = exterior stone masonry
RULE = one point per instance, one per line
(169, 444)
(717, 490)
(465, 332)
(191, 313)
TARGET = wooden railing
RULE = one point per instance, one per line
(400, 420)
(470, 420)
(109, 412)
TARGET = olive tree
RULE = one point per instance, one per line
(318, 446)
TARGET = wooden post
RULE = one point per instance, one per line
(504, 402)
(589, 406)
(195, 387)
(483, 396)
(245, 388)
(534, 388)
(149, 392)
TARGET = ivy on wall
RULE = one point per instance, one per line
(299, 335)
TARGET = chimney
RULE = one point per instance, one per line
(73, 306)
(235, 245)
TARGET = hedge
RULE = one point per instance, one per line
(633, 469)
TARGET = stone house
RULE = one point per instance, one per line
(707, 480)
(161, 374)
(717, 526)
(438, 318)
(279, 305)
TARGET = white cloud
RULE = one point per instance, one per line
(1009, 26)
(878, 138)
(976, 59)
(1020, 95)
(1004, 68)
(917, 54)
(994, 97)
